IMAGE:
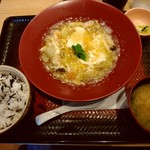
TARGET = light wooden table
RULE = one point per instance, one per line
(26, 7)
(22, 7)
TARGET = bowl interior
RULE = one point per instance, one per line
(31, 41)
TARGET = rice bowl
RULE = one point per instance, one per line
(14, 97)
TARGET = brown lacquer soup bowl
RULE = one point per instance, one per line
(139, 103)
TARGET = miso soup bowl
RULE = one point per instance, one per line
(139, 103)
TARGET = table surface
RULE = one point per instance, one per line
(22, 8)
(29, 7)
(26, 7)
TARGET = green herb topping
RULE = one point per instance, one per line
(79, 52)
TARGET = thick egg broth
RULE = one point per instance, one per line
(79, 52)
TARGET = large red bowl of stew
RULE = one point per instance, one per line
(128, 40)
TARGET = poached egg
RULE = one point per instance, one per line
(82, 36)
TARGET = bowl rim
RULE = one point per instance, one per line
(17, 72)
(137, 8)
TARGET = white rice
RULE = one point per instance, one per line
(13, 92)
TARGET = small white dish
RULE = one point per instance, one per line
(140, 17)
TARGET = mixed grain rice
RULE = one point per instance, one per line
(13, 100)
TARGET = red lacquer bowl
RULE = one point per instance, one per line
(123, 29)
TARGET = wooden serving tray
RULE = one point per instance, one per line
(79, 127)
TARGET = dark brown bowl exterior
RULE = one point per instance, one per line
(137, 84)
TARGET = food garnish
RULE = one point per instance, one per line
(79, 52)
(145, 29)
